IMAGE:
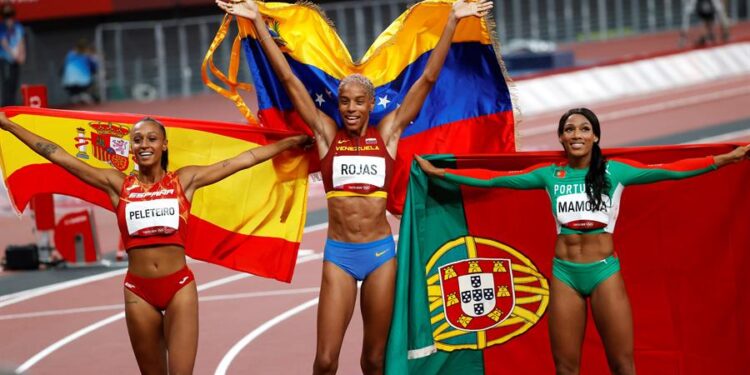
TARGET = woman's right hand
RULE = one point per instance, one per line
(478, 8)
(428, 168)
(243, 8)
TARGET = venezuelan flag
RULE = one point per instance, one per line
(469, 110)
(251, 221)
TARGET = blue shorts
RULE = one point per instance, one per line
(360, 259)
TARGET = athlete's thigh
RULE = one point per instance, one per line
(376, 303)
(338, 294)
(610, 307)
(145, 328)
(181, 329)
(567, 321)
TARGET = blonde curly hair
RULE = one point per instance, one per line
(360, 80)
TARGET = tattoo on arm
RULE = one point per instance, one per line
(225, 164)
(46, 149)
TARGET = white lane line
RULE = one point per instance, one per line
(10, 299)
(14, 298)
(52, 348)
(219, 297)
(237, 348)
(59, 312)
(225, 280)
(228, 358)
(270, 293)
(316, 227)
(647, 109)
(722, 137)
(88, 329)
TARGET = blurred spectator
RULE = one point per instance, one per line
(12, 55)
(707, 11)
(78, 73)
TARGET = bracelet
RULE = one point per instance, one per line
(261, 40)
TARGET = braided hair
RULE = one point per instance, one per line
(596, 181)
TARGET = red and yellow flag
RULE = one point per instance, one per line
(251, 221)
(469, 109)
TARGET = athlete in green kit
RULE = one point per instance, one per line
(585, 196)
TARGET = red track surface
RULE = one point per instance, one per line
(288, 348)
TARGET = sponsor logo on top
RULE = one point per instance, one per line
(151, 194)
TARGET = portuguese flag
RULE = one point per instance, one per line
(472, 289)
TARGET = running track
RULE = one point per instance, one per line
(253, 325)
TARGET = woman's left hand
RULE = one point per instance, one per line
(478, 8)
(740, 153)
(737, 155)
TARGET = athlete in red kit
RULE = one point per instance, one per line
(161, 298)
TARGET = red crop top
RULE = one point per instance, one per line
(357, 166)
(153, 215)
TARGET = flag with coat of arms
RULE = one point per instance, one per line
(474, 268)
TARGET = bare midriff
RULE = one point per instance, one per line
(584, 248)
(156, 261)
(357, 219)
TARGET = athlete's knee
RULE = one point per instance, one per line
(622, 364)
(150, 362)
(325, 364)
(566, 365)
(181, 369)
(372, 363)
(181, 365)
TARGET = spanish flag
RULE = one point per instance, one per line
(251, 221)
(469, 110)
(683, 246)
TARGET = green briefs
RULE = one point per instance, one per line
(584, 277)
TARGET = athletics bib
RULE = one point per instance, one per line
(576, 212)
(147, 218)
(350, 171)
